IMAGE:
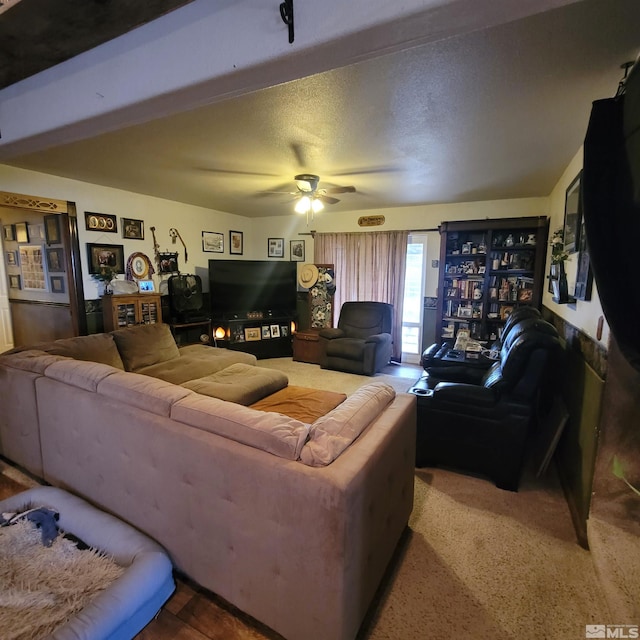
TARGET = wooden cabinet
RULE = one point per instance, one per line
(306, 347)
(487, 269)
(123, 310)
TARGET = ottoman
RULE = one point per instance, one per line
(240, 383)
(130, 602)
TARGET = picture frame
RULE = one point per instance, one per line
(105, 255)
(266, 332)
(236, 243)
(146, 286)
(105, 222)
(14, 281)
(212, 242)
(141, 267)
(12, 258)
(465, 312)
(584, 273)
(525, 295)
(275, 330)
(55, 260)
(168, 262)
(57, 284)
(22, 232)
(572, 215)
(296, 248)
(9, 232)
(32, 267)
(284, 330)
(252, 334)
(52, 229)
(132, 229)
(275, 247)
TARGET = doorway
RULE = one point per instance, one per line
(414, 286)
(41, 295)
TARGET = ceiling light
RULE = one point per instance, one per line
(303, 205)
(316, 205)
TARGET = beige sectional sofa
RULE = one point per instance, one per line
(293, 523)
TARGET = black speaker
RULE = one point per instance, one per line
(185, 298)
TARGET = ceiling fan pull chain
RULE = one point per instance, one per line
(286, 13)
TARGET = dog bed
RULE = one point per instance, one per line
(131, 600)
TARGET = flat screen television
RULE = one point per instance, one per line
(237, 287)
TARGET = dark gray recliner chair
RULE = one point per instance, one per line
(362, 341)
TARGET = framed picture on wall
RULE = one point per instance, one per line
(212, 242)
(105, 255)
(132, 229)
(572, 215)
(14, 281)
(236, 243)
(297, 250)
(52, 229)
(55, 260)
(22, 232)
(12, 258)
(275, 247)
(100, 222)
(57, 284)
(9, 232)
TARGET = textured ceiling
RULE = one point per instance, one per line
(489, 115)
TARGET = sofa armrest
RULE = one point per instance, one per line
(330, 334)
(465, 394)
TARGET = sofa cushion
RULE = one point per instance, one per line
(300, 403)
(98, 347)
(271, 432)
(79, 373)
(144, 345)
(192, 365)
(330, 435)
(143, 392)
(349, 348)
(223, 355)
(34, 360)
(239, 383)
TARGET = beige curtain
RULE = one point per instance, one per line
(368, 267)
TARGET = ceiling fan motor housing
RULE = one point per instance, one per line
(307, 182)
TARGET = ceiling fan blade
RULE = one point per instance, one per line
(238, 173)
(349, 189)
(327, 199)
(299, 154)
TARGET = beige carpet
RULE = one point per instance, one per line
(303, 374)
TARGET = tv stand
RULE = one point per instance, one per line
(265, 334)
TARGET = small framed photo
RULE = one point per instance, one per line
(146, 286)
(212, 242)
(466, 247)
(14, 281)
(525, 295)
(57, 284)
(505, 312)
(9, 232)
(297, 250)
(236, 243)
(465, 312)
(55, 260)
(52, 229)
(132, 229)
(100, 222)
(22, 232)
(252, 334)
(266, 332)
(275, 247)
(168, 262)
(275, 330)
(284, 330)
(105, 255)
(12, 258)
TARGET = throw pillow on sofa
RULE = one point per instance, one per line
(145, 345)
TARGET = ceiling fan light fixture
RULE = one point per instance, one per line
(303, 205)
(316, 205)
(307, 182)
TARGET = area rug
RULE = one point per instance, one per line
(304, 374)
(43, 587)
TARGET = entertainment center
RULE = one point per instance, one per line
(253, 305)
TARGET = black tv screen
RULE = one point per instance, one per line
(242, 286)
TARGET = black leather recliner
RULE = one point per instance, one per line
(440, 364)
(485, 427)
(362, 341)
